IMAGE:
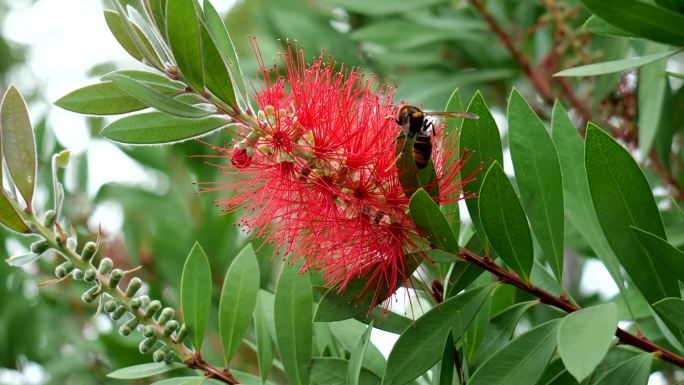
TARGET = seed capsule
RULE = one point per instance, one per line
(147, 344)
(115, 278)
(88, 251)
(152, 308)
(118, 313)
(165, 315)
(39, 247)
(126, 329)
(90, 295)
(135, 303)
(90, 275)
(77, 274)
(110, 306)
(62, 270)
(106, 265)
(159, 356)
(133, 287)
(149, 331)
(170, 327)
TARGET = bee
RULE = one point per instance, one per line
(415, 126)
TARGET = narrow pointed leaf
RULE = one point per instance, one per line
(634, 371)
(333, 371)
(414, 352)
(480, 138)
(578, 207)
(451, 138)
(143, 371)
(21, 260)
(431, 222)
(520, 362)
(613, 66)
(537, 172)
(216, 74)
(132, 36)
(446, 369)
(263, 340)
(184, 36)
(18, 143)
(238, 296)
(672, 310)
(356, 358)
(160, 128)
(499, 331)
(651, 96)
(118, 28)
(347, 334)
(196, 294)
(157, 10)
(293, 323)
(152, 79)
(584, 338)
(662, 252)
(504, 222)
(640, 18)
(100, 99)
(622, 198)
(156, 99)
(9, 216)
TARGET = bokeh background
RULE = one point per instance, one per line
(145, 199)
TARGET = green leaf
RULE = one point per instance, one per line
(347, 334)
(651, 96)
(634, 371)
(224, 44)
(99, 99)
(389, 322)
(672, 310)
(520, 362)
(414, 352)
(504, 222)
(238, 296)
(537, 172)
(156, 99)
(18, 143)
(431, 222)
(614, 65)
(333, 371)
(584, 338)
(384, 7)
(144, 370)
(118, 28)
(157, 10)
(216, 74)
(480, 138)
(9, 216)
(446, 368)
(499, 331)
(181, 381)
(160, 128)
(662, 252)
(578, 206)
(263, 339)
(622, 198)
(598, 26)
(155, 80)
(641, 19)
(21, 260)
(184, 36)
(356, 358)
(196, 294)
(293, 323)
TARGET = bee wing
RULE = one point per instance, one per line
(465, 115)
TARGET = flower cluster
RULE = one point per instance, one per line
(317, 176)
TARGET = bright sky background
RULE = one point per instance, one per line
(68, 37)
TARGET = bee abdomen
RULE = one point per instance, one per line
(422, 150)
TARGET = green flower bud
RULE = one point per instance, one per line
(159, 356)
(182, 334)
(90, 275)
(77, 274)
(106, 265)
(118, 313)
(88, 251)
(152, 308)
(49, 219)
(135, 303)
(109, 306)
(147, 344)
(62, 270)
(171, 327)
(90, 295)
(133, 287)
(115, 278)
(126, 329)
(39, 247)
(165, 315)
(169, 356)
(149, 331)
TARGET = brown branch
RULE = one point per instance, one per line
(566, 305)
(210, 371)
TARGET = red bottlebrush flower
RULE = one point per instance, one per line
(316, 175)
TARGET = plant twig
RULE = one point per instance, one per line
(566, 305)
